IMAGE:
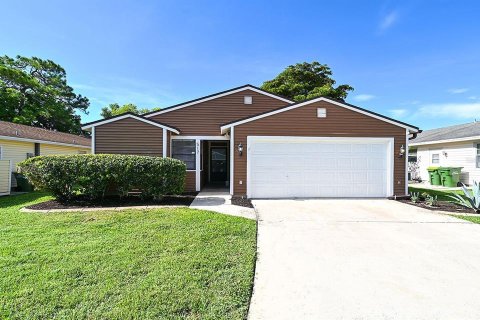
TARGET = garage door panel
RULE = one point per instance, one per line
(317, 168)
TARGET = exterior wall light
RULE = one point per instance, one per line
(402, 150)
(240, 148)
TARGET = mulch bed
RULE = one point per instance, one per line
(241, 201)
(442, 206)
(114, 201)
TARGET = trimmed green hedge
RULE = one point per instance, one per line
(93, 174)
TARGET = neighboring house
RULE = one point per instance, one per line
(265, 146)
(19, 142)
(457, 146)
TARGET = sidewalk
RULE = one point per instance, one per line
(219, 201)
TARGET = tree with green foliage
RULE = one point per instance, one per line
(114, 109)
(35, 92)
(306, 80)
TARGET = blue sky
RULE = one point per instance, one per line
(417, 61)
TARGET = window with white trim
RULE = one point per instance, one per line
(478, 155)
(185, 150)
(247, 100)
(435, 158)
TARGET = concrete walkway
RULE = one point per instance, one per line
(219, 201)
(363, 259)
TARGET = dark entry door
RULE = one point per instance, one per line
(218, 164)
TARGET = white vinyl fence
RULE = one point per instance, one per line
(5, 177)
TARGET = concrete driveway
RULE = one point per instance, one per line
(364, 259)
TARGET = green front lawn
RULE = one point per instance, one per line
(469, 218)
(151, 264)
(443, 195)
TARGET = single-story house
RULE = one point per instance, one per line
(457, 146)
(19, 142)
(262, 145)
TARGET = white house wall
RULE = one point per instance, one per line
(458, 154)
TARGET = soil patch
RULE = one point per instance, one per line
(442, 206)
(114, 201)
(241, 201)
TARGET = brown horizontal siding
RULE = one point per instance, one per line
(190, 184)
(303, 121)
(129, 136)
(206, 118)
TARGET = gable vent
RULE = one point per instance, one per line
(247, 100)
(321, 112)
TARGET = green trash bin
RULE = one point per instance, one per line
(445, 176)
(434, 176)
(22, 183)
(455, 173)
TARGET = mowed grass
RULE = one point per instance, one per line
(442, 195)
(469, 218)
(151, 264)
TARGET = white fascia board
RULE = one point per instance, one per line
(200, 137)
(43, 142)
(92, 150)
(96, 124)
(298, 105)
(413, 144)
(301, 139)
(232, 160)
(164, 143)
(188, 104)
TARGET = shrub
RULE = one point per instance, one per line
(92, 175)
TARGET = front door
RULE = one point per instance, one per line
(218, 164)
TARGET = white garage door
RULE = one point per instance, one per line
(283, 167)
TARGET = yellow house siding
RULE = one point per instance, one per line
(4, 176)
(49, 149)
(16, 151)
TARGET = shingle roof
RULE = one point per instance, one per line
(21, 131)
(460, 131)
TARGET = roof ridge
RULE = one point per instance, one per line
(277, 96)
(327, 98)
(133, 115)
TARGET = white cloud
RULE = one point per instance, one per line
(457, 90)
(450, 110)
(363, 97)
(388, 21)
(398, 113)
(473, 98)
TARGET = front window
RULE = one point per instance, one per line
(478, 155)
(435, 158)
(184, 150)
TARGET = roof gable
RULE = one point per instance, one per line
(215, 96)
(129, 115)
(335, 102)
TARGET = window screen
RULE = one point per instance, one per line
(435, 158)
(184, 150)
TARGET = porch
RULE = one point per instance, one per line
(207, 160)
